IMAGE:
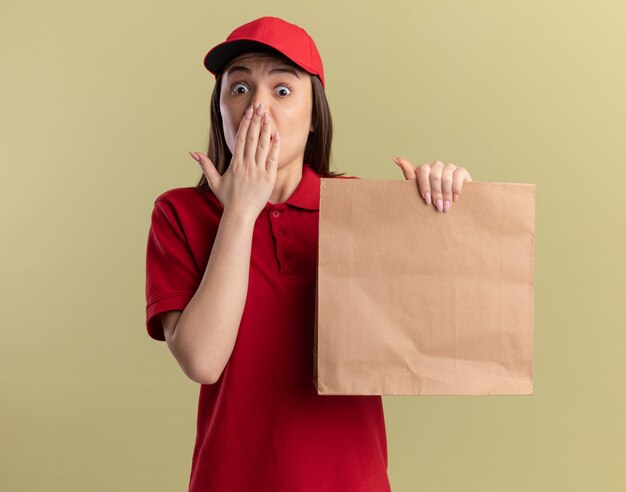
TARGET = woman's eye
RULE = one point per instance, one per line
(283, 87)
(236, 90)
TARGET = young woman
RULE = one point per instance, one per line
(231, 270)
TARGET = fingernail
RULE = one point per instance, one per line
(249, 112)
(455, 197)
(446, 205)
(439, 205)
(428, 201)
(194, 155)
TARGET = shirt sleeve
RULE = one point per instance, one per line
(171, 274)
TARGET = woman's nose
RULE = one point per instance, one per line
(259, 107)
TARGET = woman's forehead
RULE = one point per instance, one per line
(254, 58)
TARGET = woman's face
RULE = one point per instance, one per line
(286, 94)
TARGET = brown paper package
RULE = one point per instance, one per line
(413, 301)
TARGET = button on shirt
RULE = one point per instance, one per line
(262, 426)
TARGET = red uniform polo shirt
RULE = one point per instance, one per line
(262, 426)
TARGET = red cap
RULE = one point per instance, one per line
(267, 34)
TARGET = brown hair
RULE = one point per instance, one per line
(317, 151)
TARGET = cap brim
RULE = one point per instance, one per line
(220, 55)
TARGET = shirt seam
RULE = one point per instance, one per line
(172, 294)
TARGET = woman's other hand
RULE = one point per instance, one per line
(438, 183)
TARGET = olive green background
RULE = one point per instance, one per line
(100, 102)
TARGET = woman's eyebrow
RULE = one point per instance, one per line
(241, 68)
